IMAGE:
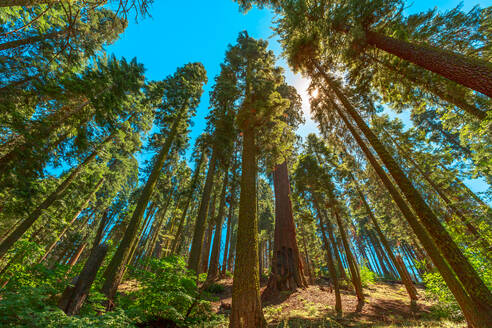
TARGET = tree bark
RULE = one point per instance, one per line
(30, 40)
(331, 267)
(198, 234)
(213, 268)
(472, 73)
(246, 309)
(74, 297)
(287, 271)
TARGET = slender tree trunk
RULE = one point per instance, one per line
(246, 302)
(331, 268)
(336, 250)
(119, 260)
(472, 73)
(54, 196)
(81, 208)
(466, 221)
(287, 271)
(474, 315)
(31, 40)
(205, 254)
(448, 97)
(27, 3)
(476, 288)
(213, 268)
(193, 185)
(74, 297)
(354, 269)
(411, 290)
(198, 235)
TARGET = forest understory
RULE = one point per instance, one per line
(337, 174)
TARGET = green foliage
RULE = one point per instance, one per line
(169, 291)
(215, 289)
(437, 289)
(367, 276)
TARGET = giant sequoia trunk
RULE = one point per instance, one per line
(470, 279)
(115, 270)
(287, 271)
(199, 232)
(474, 314)
(472, 73)
(246, 303)
(54, 196)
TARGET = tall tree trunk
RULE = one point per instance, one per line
(476, 288)
(331, 267)
(205, 254)
(54, 196)
(354, 269)
(246, 302)
(119, 260)
(189, 197)
(213, 268)
(473, 313)
(472, 73)
(448, 97)
(466, 221)
(336, 250)
(198, 234)
(287, 271)
(411, 290)
(62, 233)
(27, 3)
(31, 40)
(74, 297)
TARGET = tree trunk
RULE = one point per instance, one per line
(54, 196)
(246, 302)
(194, 181)
(205, 253)
(213, 268)
(331, 268)
(74, 297)
(476, 288)
(411, 290)
(119, 260)
(474, 315)
(472, 73)
(81, 208)
(28, 3)
(198, 235)
(287, 271)
(30, 40)
(354, 269)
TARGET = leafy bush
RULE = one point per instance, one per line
(35, 307)
(367, 277)
(215, 289)
(436, 288)
(169, 291)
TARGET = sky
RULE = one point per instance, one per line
(179, 32)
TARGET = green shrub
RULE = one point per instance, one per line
(367, 277)
(215, 289)
(169, 291)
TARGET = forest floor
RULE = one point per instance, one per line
(387, 305)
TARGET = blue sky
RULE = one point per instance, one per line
(186, 31)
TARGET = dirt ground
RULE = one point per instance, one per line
(387, 305)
